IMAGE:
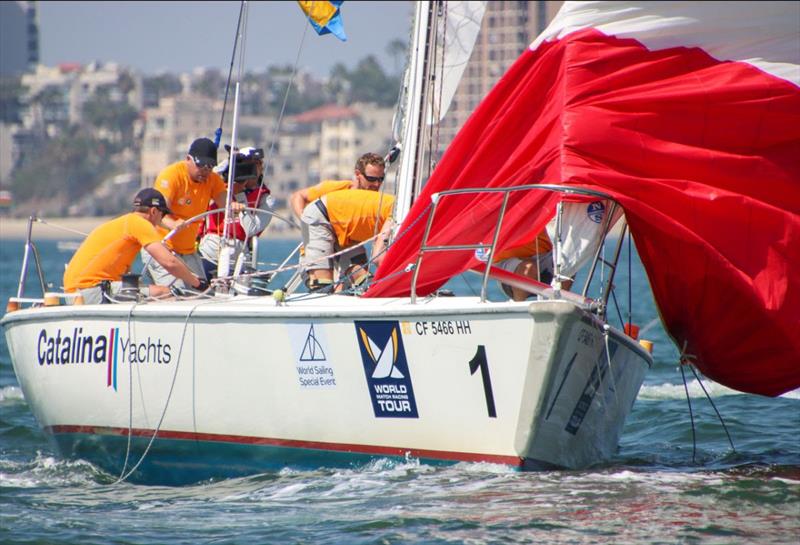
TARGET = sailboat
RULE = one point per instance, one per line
(179, 391)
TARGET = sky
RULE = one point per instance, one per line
(180, 36)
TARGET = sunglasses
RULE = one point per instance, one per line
(202, 162)
(373, 179)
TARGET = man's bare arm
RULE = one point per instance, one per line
(298, 201)
(172, 264)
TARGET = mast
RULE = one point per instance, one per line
(443, 38)
(416, 106)
(228, 239)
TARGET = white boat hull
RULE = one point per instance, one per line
(220, 388)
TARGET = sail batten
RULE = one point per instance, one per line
(700, 151)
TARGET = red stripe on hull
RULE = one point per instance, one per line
(291, 443)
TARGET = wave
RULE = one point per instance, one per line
(676, 391)
(11, 394)
(46, 470)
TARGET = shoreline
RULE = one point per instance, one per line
(76, 228)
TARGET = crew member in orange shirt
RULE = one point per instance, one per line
(337, 221)
(188, 185)
(97, 267)
(533, 259)
(369, 173)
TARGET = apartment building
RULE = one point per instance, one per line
(19, 37)
(506, 30)
(324, 144)
(170, 128)
(56, 94)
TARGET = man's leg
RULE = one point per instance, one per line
(161, 277)
(352, 267)
(318, 244)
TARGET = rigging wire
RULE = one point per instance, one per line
(218, 132)
(433, 145)
(276, 131)
(616, 306)
(691, 415)
(61, 227)
(228, 228)
(630, 281)
(694, 371)
(469, 285)
(422, 214)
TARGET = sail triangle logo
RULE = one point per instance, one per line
(386, 369)
(312, 355)
(312, 349)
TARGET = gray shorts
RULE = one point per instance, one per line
(319, 241)
(159, 275)
(95, 296)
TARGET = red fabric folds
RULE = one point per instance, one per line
(703, 155)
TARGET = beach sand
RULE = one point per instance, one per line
(77, 229)
(49, 229)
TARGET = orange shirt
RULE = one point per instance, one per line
(325, 187)
(109, 251)
(541, 243)
(186, 199)
(357, 214)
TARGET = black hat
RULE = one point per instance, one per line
(151, 198)
(247, 154)
(204, 152)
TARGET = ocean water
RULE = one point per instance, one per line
(659, 488)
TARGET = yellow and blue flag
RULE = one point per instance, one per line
(324, 16)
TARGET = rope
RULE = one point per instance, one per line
(292, 267)
(166, 403)
(130, 400)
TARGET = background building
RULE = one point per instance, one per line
(506, 30)
(19, 37)
(320, 144)
(170, 129)
(324, 144)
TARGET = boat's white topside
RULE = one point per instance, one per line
(299, 305)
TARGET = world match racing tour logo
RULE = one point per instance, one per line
(386, 369)
(111, 349)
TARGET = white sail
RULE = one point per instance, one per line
(442, 62)
(461, 24)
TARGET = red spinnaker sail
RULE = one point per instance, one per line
(700, 144)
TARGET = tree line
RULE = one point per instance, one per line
(76, 157)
